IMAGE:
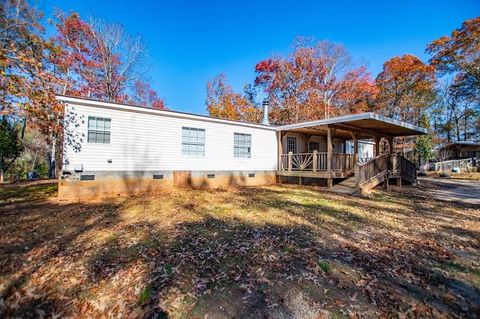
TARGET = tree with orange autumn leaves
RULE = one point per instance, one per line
(223, 102)
(406, 88)
(27, 82)
(317, 80)
(100, 60)
(457, 58)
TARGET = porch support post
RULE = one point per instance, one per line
(390, 144)
(329, 156)
(290, 155)
(307, 142)
(377, 145)
(314, 160)
(280, 150)
(355, 147)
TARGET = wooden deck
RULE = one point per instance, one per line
(362, 176)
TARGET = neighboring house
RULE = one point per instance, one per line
(459, 150)
(112, 148)
(457, 156)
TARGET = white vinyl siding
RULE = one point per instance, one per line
(99, 130)
(143, 141)
(193, 141)
(242, 145)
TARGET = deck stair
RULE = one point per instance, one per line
(381, 168)
(345, 187)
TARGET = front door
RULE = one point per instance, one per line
(313, 146)
(291, 145)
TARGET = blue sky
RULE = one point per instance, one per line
(190, 42)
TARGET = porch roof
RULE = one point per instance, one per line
(365, 125)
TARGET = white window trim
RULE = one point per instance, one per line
(111, 135)
(204, 142)
(251, 148)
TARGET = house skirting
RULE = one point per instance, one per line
(98, 184)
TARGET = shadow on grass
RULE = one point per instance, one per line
(231, 266)
(216, 254)
(25, 192)
(34, 235)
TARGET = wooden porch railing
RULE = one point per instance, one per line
(343, 162)
(316, 161)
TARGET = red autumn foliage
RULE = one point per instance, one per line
(316, 81)
(143, 94)
(93, 66)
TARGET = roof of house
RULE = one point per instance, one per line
(365, 124)
(461, 143)
(146, 109)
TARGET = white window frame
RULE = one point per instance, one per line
(246, 148)
(197, 141)
(97, 130)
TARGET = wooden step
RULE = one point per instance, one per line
(345, 187)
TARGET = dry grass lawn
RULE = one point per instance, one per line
(258, 252)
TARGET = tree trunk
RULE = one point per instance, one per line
(24, 126)
(52, 166)
(1, 176)
(457, 126)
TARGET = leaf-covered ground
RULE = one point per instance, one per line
(472, 176)
(258, 252)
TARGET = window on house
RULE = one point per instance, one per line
(193, 141)
(99, 130)
(242, 145)
(314, 146)
(291, 145)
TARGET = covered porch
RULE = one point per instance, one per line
(342, 147)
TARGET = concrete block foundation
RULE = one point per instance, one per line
(92, 184)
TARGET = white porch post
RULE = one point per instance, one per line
(290, 155)
(279, 150)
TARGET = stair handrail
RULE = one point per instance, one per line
(371, 169)
(407, 168)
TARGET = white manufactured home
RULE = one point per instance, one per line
(112, 148)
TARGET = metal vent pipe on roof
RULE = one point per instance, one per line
(265, 103)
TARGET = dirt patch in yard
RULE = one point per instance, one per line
(273, 252)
